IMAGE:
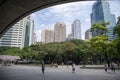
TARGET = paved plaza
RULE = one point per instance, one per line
(18, 72)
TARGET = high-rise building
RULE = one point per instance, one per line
(19, 35)
(101, 13)
(88, 34)
(47, 36)
(59, 32)
(76, 29)
(70, 37)
(28, 31)
(34, 38)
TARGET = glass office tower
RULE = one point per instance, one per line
(101, 13)
(19, 35)
(76, 29)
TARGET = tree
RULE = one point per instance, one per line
(68, 48)
(100, 29)
(14, 51)
(39, 51)
(117, 34)
(117, 28)
(99, 43)
(28, 53)
(58, 58)
(97, 47)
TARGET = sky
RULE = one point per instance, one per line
(67, 13)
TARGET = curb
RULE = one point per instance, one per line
(95, 68)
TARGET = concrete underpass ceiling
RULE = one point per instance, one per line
(12, 11)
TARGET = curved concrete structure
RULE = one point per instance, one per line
(13, 10)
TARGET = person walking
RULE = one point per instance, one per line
(113, 67)
(73, 67)
(43, 67)
(105, 67)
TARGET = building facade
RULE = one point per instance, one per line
(70, 37)
(34, 38)
(76, 29)
(19, 35)
(101, 13)
(88, 34)
(47, 36)
(59, 32)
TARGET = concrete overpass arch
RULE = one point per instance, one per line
(12, 11)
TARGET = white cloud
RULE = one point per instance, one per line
(68, 28)
(116, 9)
(38, 34)
(87, 20)
(67, 13)
(71, 11)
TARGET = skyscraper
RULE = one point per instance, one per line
(47, 36)
(29, 33)
(76, 29)
(88, 34)
(60, 32)
(19, 35)
(101, 13)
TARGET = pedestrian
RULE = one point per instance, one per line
(73, 67)
(113, 67)
(105, 67)
(43, 67)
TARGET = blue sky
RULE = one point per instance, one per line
(67, 13)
